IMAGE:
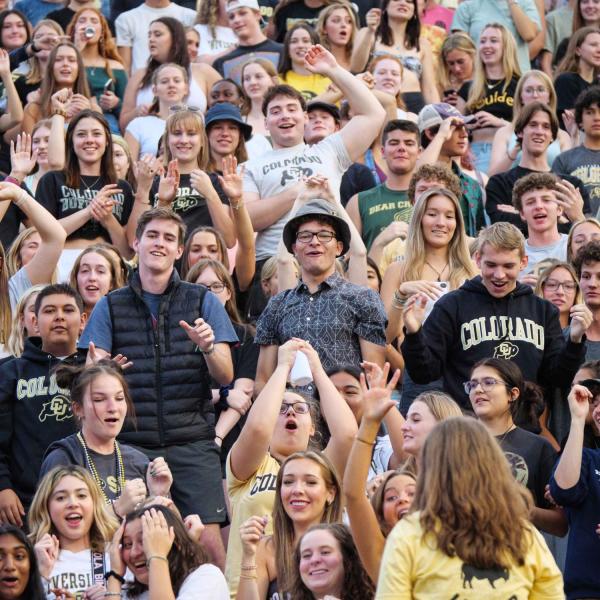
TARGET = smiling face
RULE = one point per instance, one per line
(320, 124)
(338, 27)
(159, 41)
(388, 76)
(397, 498)
(66, 68)
(499, 269)
(203, 245)
(534, 89)
(418, 425)
(171, 86)
(299, 43)
(589, 51)
(590, 11)
(14, 32)
(292, 430)
(223, 138)
(120, 161)
(71, 510)
(39, 142)
(317, 258)
(401, 151)
(540, 211)
(490, 46)
(460, 65)
(89, 141)
(185, 142)
(285, 121)
(224, 91)
(321, 564)
(439, 222)
(256, 81)
(537, 134)
(159, 246)
(192, 38)
(14, 567)
(29, 248)
(554, 289)
(496, 401)
(94, 278)
(132, 551)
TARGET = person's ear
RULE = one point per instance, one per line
(340, 248)
(514, 394)
(82, 322)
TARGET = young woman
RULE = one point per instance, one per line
(499, 396)
(579, 68)
(558, 284)
(298, 39)
(453, 506)
(337, 27)
(185, 187)
(90, 202)
(212, 24)
(23, 324)
(167, 43)
(15, 31)
(227, 135)
(225, 90)
(101, 403)
(436, 261)
(490, 95)
(204, 242)
(506, 153)
(95, 273)
(455, 66)
(280, 423)
(327, 565)
(170, 86)
(193, 43)
(388, 71)
(123, 161)
(70, 526)
(395, 29)
(580, 234)
(154, 545)
(307, 492)
(106, 75)
(258, 76)
(19, 574)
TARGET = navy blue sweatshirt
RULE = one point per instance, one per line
(468, 325)
(582, 503)
(34, 412)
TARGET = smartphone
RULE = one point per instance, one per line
(108, 86)
(449, 92)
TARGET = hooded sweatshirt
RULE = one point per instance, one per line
(34, 412)
(469, 324)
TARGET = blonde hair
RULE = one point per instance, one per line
(510, 67)
(502, 236)
(575, 225)
(5, 310)
(415, 255)
(13, 256)
(35, 72)
(322, 21)
(16, 340)
(187, 118)
(518, 102)
(548, 270)
(456, 41)
(104, 524)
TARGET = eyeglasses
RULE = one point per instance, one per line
(300, 408)
(552, 285)
(535, 90)
(487, 383)
(306, 237)
(181, 107)
(216, 288)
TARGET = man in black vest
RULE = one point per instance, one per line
(177, 335)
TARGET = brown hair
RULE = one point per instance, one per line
(160, 214)
(377, 499)
(547, 271)
(116, 272)
(532, 181)
(185, 257)
(570, 62)
(435, 172)
(528, 112)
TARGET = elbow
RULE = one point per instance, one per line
(530, 34)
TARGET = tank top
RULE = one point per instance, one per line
(409, 61)
(196, 97)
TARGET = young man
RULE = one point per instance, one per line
(583, 161)
(445, 139)
(132, 29)
(344, 322)
(245, 20)
(587, 265)
(34, 411)
(534, 196)
(373, 211)
(536, 128)
(177, 336)
(492, 315)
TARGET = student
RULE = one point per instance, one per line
(525, 329)
(258, 76)
(23, 326)
(455, 65)
(212, 26)
(582, 232)
(581, 161)
(587, 265)
(337, 27)
(34, 410)
(558, 284)
(575, 486)
(437, 547)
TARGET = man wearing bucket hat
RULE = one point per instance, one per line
(344, 322)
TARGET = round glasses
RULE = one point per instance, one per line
(300, 408)
(486, 383)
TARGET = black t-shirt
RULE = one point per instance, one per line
(291, 14)
(24, 89)
(357, 178)
(532, 459)
(568, 86)
(189, 203)
(62, 201)
(62, 16)
(496, 100)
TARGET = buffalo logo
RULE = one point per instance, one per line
(470, 572)
(295, 174)
(58, 407)
(506, 350)
(518, 466)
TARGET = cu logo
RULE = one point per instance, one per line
(506, 350)
(59, 408)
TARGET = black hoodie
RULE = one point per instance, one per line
(34, 412)
(468, 325)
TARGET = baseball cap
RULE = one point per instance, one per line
(432, 115)
(332, 109)
(235, 4)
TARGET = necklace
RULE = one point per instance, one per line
(89, 187)
(438, 273)
(119, 468)
(491, 86)
(500, 438)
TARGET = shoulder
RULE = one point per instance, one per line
(115, 64)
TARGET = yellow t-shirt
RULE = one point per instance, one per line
(412, 569)
(393, 252)
(255, 496)
(309, 86)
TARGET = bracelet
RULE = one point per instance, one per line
(209, 351)
(156, 556)
(246, 576)
(114, 574)
(218, 437)
(399, 300)
(59, 111)
(11, 179)
(359, 439)
(248, 567)
(109, 594)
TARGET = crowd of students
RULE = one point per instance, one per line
(299, 299)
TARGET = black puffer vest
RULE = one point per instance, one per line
(169, 380)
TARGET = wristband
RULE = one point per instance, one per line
(11, 179)
(114, 574)
(358, 439)
(60, 112)
(34, 48)
(156, 556)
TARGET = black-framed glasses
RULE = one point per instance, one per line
(486, 383)
(216, 288)
(552, 285)
(300, 408)
(306, 237)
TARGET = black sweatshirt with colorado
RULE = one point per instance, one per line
(34, 412)
(469, 324)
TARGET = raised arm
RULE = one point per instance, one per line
(501, 160)
(146, 168)
(526, 27)
(14, 109)
(364, 42)
(428, 79)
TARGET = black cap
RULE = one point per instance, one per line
(332, 109)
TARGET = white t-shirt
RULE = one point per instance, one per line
(224, 39)
(18, 284)
(276, 170)
(536, 254)
(147, 131)
(73, 571)
(132, 28)
(206, 582)
(258, 145)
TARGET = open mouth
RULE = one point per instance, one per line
(9, 581)
(291, 425)
(74, 519)
(111, 420)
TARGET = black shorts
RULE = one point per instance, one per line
(197, 487)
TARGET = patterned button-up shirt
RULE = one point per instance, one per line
(332, 320)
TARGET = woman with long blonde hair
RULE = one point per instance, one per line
(23, 325)
(455, 66)
(337, 27)
(490, 95)
(471, 526)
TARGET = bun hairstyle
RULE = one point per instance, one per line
(527, 408)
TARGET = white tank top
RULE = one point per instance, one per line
(195, 98)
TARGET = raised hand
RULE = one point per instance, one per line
(114, 551)
(101, 206)
(239, 401)
(159, 477)
(201, 333)
(377, 401)
(60, 100)
(569, 198)
(133, 494)
(286, 354)
(568, 118)
(395, 230)
(22, 159)
(11, 509)
(579, 402)
(316, 186)
(46, 552)
(231, 181)
(581, 319)
(145, 170)
(414, 312)
(169, 183)
(320, 61)
(93, 356)
(373, 18)
(251, 532)
(194, 527)
(314, 362)
(4, 64)
(157, 536)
